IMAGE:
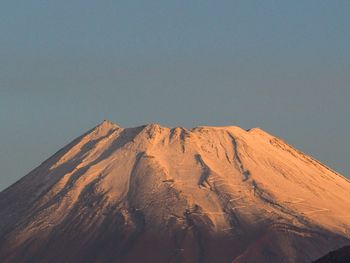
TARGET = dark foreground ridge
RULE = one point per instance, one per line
(341, 255)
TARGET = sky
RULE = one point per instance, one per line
(65, 66)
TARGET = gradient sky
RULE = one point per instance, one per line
(67, 65)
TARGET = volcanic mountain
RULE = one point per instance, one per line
(158, 194)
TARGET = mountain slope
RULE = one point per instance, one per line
(155, 194)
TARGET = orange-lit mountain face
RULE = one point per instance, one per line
(156, 194)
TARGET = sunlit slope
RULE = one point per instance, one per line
(155, 194)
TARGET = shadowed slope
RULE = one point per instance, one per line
(341, 255)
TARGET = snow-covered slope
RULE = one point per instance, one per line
(157, 194)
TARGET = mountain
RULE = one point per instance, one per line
(158, 194)
(341, 255)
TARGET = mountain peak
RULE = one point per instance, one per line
(107, 123)
(104, 127)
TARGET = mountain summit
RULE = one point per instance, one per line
(158, 194)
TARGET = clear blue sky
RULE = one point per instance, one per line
(67, 65)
